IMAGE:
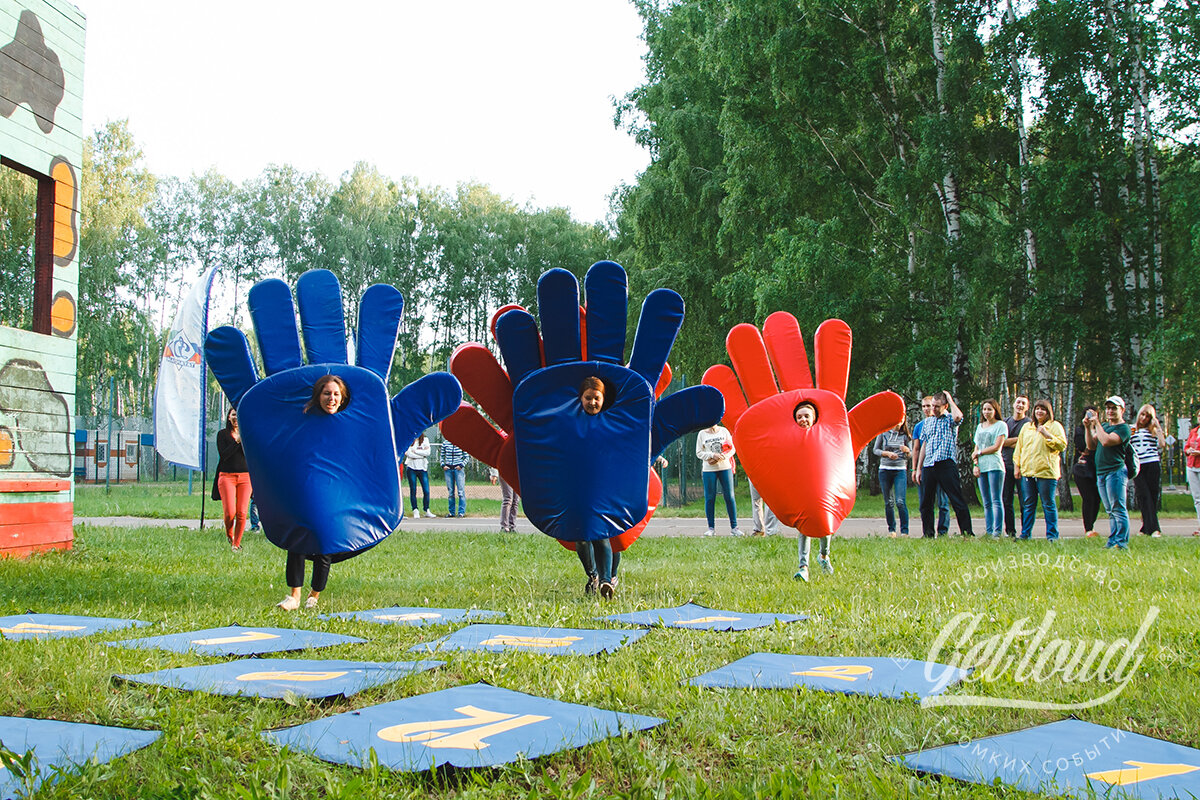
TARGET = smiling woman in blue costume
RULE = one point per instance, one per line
(329, 396)
(597, 557)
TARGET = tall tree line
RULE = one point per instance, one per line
(456, 256)
(997, 195)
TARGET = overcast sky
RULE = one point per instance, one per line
(517, 94)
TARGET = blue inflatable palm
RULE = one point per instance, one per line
(585, 477)
(324, 483)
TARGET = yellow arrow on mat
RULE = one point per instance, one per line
(248, 636)
(293, 675)
(37, 627)
(1142, 771)
(433, 733)
(507, 640)
(842, 672)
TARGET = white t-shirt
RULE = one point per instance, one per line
(714, 443)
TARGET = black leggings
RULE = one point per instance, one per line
(295, 571)
(1148, 484)
(1089, 497)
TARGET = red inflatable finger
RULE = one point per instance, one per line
(785, 345)
(468, 429)
(832, 345)
(722, 378)
(878, 413)
(749, 356)
(485, 381)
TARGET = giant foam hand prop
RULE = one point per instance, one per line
(581, 477)
(492, 441)
(324, 483)
(806, 475)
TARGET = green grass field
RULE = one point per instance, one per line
(170, 500)
(888, 598)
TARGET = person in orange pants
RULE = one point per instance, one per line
(233, 480)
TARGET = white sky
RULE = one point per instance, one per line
(516, 94)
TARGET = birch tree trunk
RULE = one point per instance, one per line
(948, 195)
(1031, 260)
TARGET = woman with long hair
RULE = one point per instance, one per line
(329, 396)
(233, 480)
(1147, 440)
(1035, 462)
(1084, 473)
(893, 448)
(714, 447)
(990, 434)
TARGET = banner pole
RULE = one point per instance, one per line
(112, 382)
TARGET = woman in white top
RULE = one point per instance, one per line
(990, 434)
(1147, 440)
(893, 448)
(416, 465)
(714, 447)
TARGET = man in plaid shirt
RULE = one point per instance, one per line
(936, 464)
(454, 461)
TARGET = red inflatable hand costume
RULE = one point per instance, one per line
(483, 379)
(806, 475)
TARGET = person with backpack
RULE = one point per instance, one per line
(1110, 440)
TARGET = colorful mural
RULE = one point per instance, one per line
(41, 134)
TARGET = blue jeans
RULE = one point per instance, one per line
(711, 479)
(894, 483)
(1112, 490)
(1031, 489)
(991, 487)
(456, 481)
(420, 476)
(598, 559)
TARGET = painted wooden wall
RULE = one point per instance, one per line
(41, 134)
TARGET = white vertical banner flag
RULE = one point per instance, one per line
(179, 395)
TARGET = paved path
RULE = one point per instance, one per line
(667, 526)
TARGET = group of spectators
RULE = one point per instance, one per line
(1021, 455)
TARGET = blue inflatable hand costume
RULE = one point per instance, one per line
(585, 477)
(325, 484)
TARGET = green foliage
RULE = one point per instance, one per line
(18, 200)
(803, 159)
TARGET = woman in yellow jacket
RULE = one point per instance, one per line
(1036, 464)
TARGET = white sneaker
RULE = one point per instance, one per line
(801, 574)
(310, 603)
(289, 603)
(710, 532)
(416, 514)
(736, 532)
(428, 514)
(826, 565)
